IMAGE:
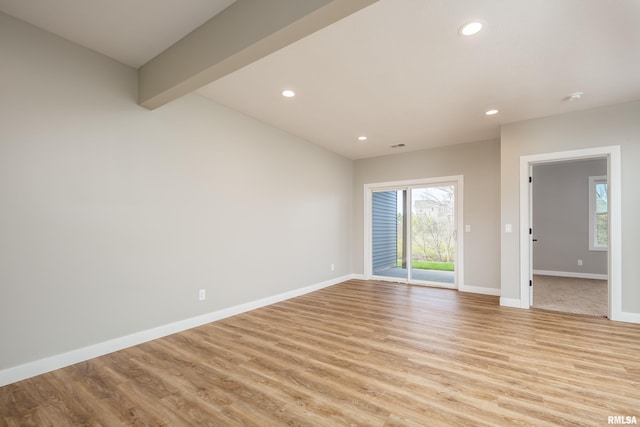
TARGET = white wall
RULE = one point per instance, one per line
(613, 125)
(479, 163)
(561, 217)
(112, 217)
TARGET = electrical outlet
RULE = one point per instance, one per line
(579, 263)
(202, 295)
(333, 267)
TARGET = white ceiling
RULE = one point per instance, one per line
(399, 72)
(129, 31)
(396, 71)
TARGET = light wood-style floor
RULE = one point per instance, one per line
(358, 353)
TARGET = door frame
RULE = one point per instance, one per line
(458, 181)
(614, 179)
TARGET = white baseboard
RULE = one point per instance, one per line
(626, 316)
(573, 274)
(511, 302)
(480, 290)
(38, 367)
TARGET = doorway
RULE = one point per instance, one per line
(570, 236)
(614, 270)
(411, 231)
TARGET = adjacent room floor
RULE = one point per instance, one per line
(571, 295)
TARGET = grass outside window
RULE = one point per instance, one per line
(429, 265)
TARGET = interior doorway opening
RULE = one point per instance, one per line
(570, 236)
(527, 231)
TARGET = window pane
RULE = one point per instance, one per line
(602, 216)
(601, 198)
(602, 227)
(598, 213)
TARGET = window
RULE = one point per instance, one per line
(598, 213)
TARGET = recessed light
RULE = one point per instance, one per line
(362, 138)
(491, 112)
(575, 96)
(470, 28)
(288, 93)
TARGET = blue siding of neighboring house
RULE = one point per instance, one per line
(384, 233)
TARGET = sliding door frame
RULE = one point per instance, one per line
(457, 181)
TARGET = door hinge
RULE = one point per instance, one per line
(530, 179)
(530, 282)
(530, 230)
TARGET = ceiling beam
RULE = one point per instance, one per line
(241, 34)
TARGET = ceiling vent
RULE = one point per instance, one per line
(397, 145)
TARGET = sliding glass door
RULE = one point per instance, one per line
(389, 234)
(413, 235)
(433, 233)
